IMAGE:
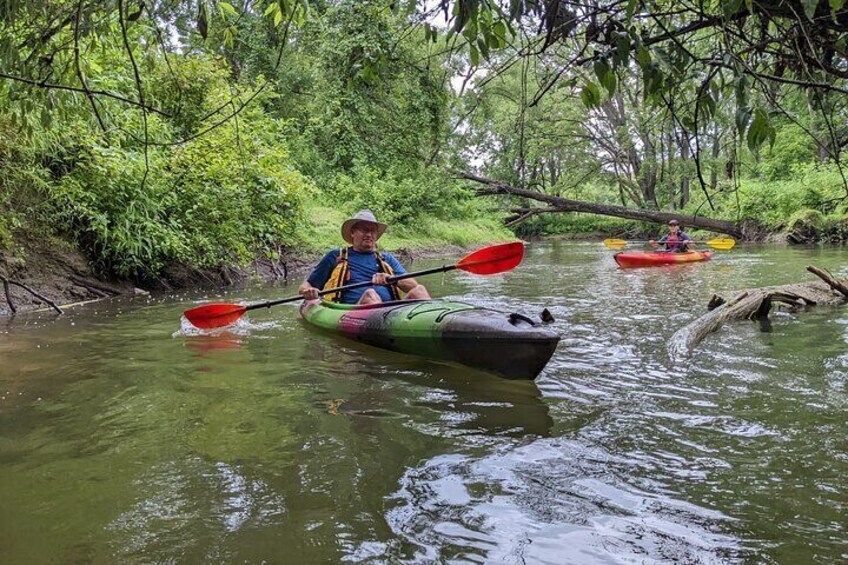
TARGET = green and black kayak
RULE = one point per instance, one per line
(511, 345)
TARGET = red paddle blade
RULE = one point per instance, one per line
(215, 315)
(493, 259)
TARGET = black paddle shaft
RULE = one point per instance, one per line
(390, 280)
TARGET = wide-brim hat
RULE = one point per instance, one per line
(362, 216)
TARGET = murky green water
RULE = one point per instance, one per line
(124, 441)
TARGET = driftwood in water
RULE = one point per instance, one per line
(755, 304)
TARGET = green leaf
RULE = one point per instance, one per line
(202, 21)
(653, 78)
(836, 4)
(474, 54)
(591, 95)
(622, 49)
(227, 9)
(743, 115)
(760, 130)
(631, 9)
(730, 7)
(643, 56)
(605, 75)
(229, 36)
(137, 14)
(810, 8)
(499, 29)
(484, 47)
(515, 9)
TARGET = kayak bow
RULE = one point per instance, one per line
(511, 345)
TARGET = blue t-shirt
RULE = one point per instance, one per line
(675, 246)
(361, 266)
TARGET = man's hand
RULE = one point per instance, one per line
(308, 291)
(380, 279)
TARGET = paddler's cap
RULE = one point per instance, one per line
(362, 216)
(673, 223)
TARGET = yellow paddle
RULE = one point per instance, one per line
(723, 243)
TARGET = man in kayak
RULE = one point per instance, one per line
(359, 263)
(675, 240)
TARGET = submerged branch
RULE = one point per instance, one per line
(755, 304)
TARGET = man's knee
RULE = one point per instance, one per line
(370, 296)
(418, 293)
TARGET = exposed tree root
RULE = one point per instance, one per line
(12, 307)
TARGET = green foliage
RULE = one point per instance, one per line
(792, 149)
(218, 200)
(236, 197)
(400, 197)
(575, 224)
(372, 103)
(479, 224)
(811, 189)
(121, 223)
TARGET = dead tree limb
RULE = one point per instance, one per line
(755, 304)
(9, 296)
(746, 230)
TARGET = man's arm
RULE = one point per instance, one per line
(307, 291)
(318, 278)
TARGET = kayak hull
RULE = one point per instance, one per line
(628, 259)
(510, 345)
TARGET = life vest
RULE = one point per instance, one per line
(672, 242)
(341, 275)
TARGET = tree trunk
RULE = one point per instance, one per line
(558, 204)
(684, 169)
(716, 153)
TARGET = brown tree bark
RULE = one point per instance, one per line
(750, 230)
(755, 304)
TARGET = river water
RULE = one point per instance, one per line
(127, 438)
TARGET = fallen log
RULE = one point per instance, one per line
(755, 304)
(747, 230)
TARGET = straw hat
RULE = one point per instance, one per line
(361, 216)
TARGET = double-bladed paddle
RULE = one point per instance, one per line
(487, 261)
(723, 243)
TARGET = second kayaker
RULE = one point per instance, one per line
(675, 240)
(361, 262)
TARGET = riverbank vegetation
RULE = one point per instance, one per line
(209, 133)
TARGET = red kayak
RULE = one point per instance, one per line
(655, 258)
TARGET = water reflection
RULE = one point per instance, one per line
(552, 501)
(268, 442)
(459, 400)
